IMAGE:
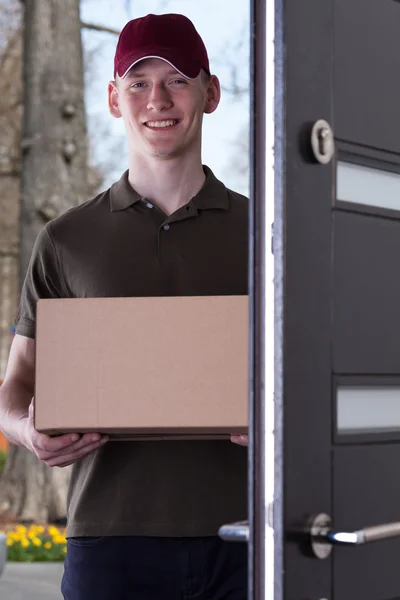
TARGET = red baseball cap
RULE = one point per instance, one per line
(170, 37)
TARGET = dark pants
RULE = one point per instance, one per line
(145, 568)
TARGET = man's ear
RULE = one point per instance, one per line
(113, 100)
(213, 94)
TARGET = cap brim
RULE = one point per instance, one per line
(137, 60)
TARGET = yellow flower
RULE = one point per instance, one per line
(36, 541)
(24, 543)
(40, 529)
(53, 531)
(65, 549)
(21, 529)
(10, 542)
(59, 539)
(31, 535)
(47, 545)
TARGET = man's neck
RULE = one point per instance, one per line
(169, 184)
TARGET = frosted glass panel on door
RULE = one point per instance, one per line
(364, 185)
(368, 409)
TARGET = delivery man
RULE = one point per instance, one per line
(143, 516)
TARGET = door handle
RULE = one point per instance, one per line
(323, 537)
(235, 532)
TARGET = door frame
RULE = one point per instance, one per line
(292, 77)
(265, 481)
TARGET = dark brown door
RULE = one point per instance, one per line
(341, 297)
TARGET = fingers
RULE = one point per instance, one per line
(241, 440)
(57, 451)
(62, 450)
(46, 444)
(70, 458)
(50, 444)
(43, 442)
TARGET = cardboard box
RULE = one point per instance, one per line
(149, 368)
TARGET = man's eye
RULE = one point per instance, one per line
(137, 85)
(179, 81)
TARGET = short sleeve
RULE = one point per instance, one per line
(43, 280)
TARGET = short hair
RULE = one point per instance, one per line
(205, 77)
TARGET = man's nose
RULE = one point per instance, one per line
(159, 99)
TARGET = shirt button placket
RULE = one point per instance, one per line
(164, 227)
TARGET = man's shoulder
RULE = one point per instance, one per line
(218, 189)
(240, 199)
(86, 213)
(239, 204)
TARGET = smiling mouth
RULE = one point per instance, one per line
(161, 124)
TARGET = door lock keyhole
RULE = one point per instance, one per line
(322, 141)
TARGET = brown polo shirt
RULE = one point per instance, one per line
(120, 244)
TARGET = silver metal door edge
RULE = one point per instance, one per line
(266, 279)
(278, 278)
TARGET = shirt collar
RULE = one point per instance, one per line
(122, 194)
(213, 194)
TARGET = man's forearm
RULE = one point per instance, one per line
(15, 399)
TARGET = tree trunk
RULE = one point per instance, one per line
(54, 178)
(31, 491)
(54, 140)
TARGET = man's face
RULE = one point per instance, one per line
(162, 110)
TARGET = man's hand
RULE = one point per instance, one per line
(242, 440)
(59, 451)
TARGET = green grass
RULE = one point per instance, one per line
(3, 456)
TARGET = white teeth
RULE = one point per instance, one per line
(161, 123)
